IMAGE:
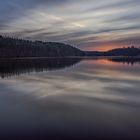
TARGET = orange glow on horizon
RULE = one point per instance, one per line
(105, 47)
(103, 61)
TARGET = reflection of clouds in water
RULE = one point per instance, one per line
(79, 100)
(113, 70)
(93, 79)
(96, 85)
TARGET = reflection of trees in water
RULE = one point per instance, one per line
(126, 60)
(11, 67)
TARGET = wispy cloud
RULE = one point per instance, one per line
(83, 23)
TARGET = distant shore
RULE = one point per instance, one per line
(75, 57)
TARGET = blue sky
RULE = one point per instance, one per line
(87, 24)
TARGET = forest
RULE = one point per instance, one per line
(15, 48)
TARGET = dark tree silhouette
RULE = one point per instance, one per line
(15, 48)
(130, 51)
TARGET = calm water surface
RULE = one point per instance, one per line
(69, 99)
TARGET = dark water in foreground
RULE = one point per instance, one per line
(69, 99)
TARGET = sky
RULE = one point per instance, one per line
(86, 24)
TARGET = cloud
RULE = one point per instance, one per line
(78, 22)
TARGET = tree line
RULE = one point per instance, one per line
(11, 48)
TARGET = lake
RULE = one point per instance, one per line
(70, 98)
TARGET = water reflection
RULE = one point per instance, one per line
(126, 60)
(11, 67)
(96, 99)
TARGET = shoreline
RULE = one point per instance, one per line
(69, 57)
